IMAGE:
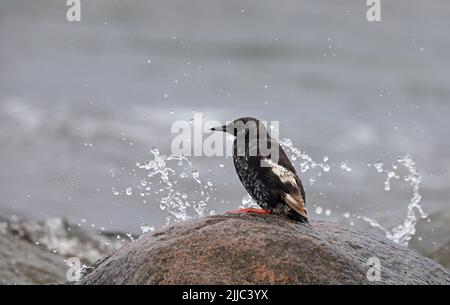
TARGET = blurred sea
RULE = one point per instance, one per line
(81, 103)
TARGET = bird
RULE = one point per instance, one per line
(273, 183)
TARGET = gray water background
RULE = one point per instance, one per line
(80, 102)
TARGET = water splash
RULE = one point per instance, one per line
(56, 235)
(345, 167)
(319, 210)
(162, 171)
(129, 191)
(147, 229)
(403, 232)
(306, 162)
(248, 202)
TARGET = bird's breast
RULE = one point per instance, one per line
(252, 179)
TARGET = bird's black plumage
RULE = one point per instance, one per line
(273, 184)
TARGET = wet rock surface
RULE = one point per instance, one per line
(254, 249)
(24, 263)
(432, 238)
(36, 252)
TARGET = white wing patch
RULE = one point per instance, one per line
(285, 175)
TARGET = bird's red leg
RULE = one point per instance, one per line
(252, 210)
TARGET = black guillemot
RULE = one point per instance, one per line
(272, 182)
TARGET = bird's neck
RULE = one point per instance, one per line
(251, 146)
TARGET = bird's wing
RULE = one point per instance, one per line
(286, 163)
(288, 186)
(296, 202)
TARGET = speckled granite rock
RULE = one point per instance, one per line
(251, 249)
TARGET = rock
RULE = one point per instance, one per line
(24, 263)
(57, 235)
(253, 249)
(432, 238)
(35, 252)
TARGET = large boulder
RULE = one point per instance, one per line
(253, 249)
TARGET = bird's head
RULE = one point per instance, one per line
(243, 126)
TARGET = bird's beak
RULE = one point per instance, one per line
(219, 128)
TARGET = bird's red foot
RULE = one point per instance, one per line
(252, 210)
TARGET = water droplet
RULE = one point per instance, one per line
(344, 166)
(129, 191)
(248, 202)
(319, 210)
(146, 229)
(328, 212)
(195, 173)
(378, 166)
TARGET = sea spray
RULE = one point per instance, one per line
(248, 202)
(165, 171)
(305, 161)
(166, 174)
(403, 232)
